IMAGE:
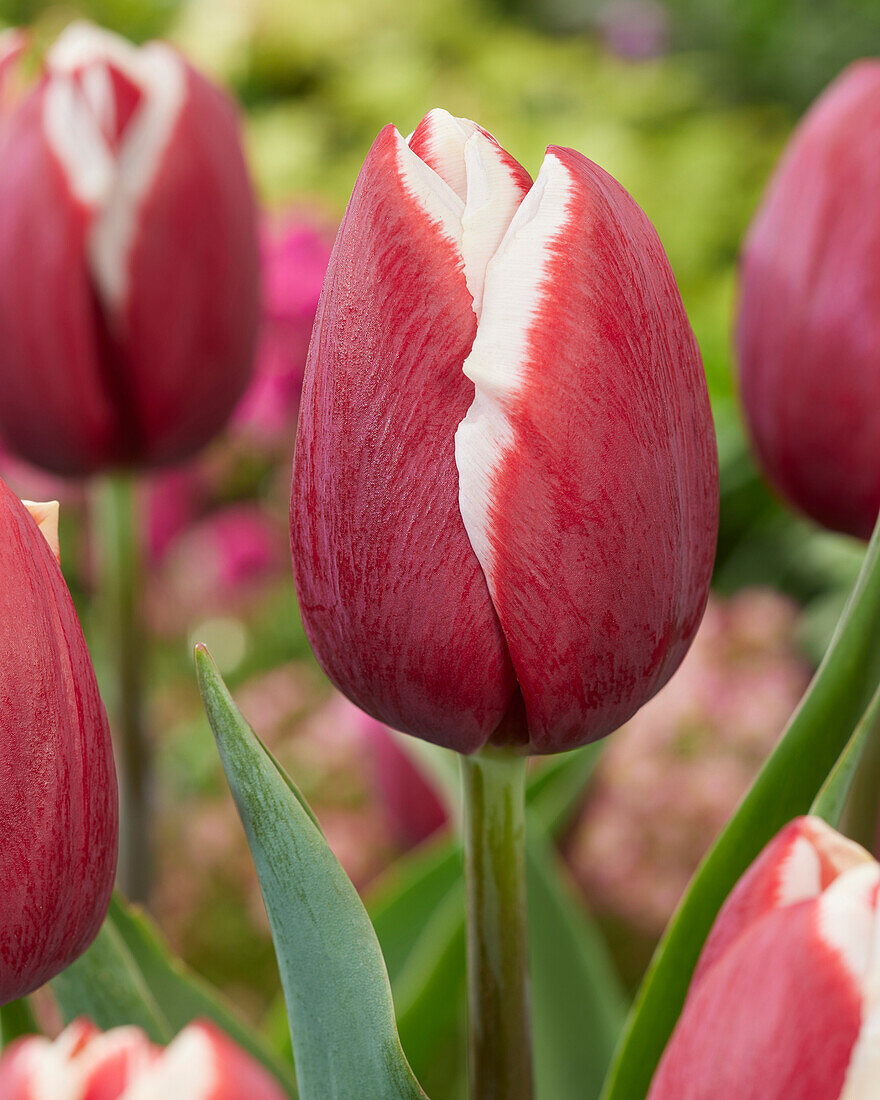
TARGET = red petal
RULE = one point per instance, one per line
(57, 778)
(393, 598)
(588, 465)
(775, 1019)
(808, 333)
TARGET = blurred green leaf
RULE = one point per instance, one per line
(786, 787)
(338, 995)
(578, 1003)
(16, 1019)
(106, 985)
(182, 995)
(129, 976)
(556, 789)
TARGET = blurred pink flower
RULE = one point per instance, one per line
(294, 258)
(217, 564)
(411, 804)
(635, 29)
(670, 778)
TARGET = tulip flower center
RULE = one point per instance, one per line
(108, 113)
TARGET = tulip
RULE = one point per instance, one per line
(504, 504)
(83, 1064)
(57, 781)
(128, 259)
(809, 318)
(785, 1001)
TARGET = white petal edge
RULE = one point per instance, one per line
(61, 1069)
(845, 916)
(863, 1073)
(447, 136)
(112, 185)
(187, 1068)
(800, 875)
(513, 294)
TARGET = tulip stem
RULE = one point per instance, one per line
(499, 1022)
(120, 566)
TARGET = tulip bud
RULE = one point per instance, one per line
(504, 503)
(808, 334)
(57, 780)
(785, 1001)
(202, 1063)
(128, 259)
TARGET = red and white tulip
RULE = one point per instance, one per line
(202, 1063)
(505, 498)
(785, 1001)
(57, 780)
(128, 259)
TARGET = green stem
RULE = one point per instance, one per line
(499, 1022)
(120, 565)
(16, 1019)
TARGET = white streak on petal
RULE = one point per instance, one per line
(513, 295)
(445, 143)
(187, 1068)
(442, 205)
(800, 874)
(493, 197)
(863, 1074)
(112, 183)
(846, 915)
(45, 515)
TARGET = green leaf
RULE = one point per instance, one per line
(338, 995)
(831, 800)
(556, 788)
(786, 787)
(182, 995)
(106, 985)
(578, 1003)
(129, 976)
(16, 1019)
(402, 902)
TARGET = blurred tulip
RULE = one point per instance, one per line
(411, 804)
(294, 257)
(785, 1001)
(809, 317)
(202, 1063)
(57, 780)
(504, 503)
(128, 259)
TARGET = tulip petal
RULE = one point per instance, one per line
(798, 864)
(587, 464)
(58, 789)
(807, 335)
(778, 1015)
(393, 598)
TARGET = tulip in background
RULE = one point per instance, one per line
(128, 259)
(504, 503)
(57, 780)
(85, 1064)
(785, 1001)
(809, 318)
(129, 298)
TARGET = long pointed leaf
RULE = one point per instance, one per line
(338, 995)
(786, 786)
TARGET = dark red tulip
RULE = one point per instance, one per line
(784, 1003)
(128, 259)
(57, 781)
(809, 318)
(504, 503)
